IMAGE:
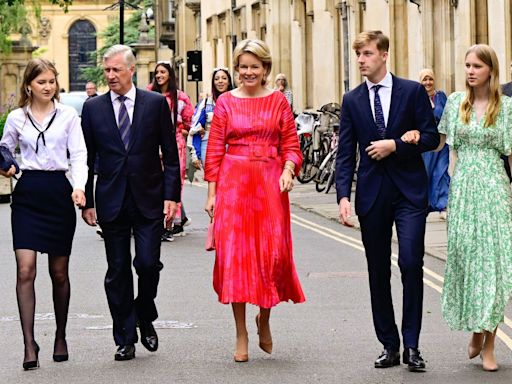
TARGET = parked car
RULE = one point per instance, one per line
(74, 99)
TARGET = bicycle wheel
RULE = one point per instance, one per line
(331, 180)
(309, 169)
(323, 175)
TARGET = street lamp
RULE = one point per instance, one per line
(121, 4)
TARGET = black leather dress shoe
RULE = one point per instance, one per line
(125, 352)
(413, 359)
(387, 359)
(148, 336)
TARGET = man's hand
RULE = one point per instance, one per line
(89, 216)
(10, 173)
(381, 149)
(170, 209)
(345, 212)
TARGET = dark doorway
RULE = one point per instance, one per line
(82, 42)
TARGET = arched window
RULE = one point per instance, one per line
(81, 43)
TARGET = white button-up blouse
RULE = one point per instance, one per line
(62, 133)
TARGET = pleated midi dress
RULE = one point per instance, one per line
(250, 140)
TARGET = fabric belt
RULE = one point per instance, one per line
(255, 152)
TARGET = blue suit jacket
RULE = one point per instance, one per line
(410, 109)
(139, 166)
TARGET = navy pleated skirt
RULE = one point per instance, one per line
(43, 214)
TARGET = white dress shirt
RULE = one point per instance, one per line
(129, 102)
(384, 93)
(64, 134)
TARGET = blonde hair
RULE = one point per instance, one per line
(366, 37)
(259, 49)
(486, 54)
(426, 72)
(34, 68)
(282, 77)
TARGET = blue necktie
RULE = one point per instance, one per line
(379, 115)
(123, 122)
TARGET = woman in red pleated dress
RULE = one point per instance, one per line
(252, 157)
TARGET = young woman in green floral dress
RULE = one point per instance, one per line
(478, 276)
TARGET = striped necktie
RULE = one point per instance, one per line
(123, 122)
(379, 115)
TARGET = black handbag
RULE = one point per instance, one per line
(7, 159)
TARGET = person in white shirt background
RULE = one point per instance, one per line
(43, 216)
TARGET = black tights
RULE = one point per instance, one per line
(58, 266)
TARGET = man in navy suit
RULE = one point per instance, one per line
(135, 191)
(391, 188)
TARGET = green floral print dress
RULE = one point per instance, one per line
(478, 273)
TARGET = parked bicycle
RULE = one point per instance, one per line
(326, 172)
(315, 137)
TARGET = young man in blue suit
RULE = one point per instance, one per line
(135, 191)
(391, 189)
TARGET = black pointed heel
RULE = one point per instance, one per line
(34, 364)
(59, 358)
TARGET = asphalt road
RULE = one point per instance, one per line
(328, 339)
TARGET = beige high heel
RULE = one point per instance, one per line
(489, 363)
(242, 357)
(266, 346)
(472, 350)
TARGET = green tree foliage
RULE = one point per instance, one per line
(13, 15)
(110, 37)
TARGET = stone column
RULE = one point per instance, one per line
(145, 49)
(398, 22)
(12, 67)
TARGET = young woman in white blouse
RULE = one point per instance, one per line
(43, 216)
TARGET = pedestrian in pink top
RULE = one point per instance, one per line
(164, 82)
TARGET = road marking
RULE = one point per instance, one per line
(357, 244)
(320, 229)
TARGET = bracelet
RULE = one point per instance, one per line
(289, 169)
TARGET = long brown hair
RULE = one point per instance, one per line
(34, 68)
(215, 92)
(486, 54)
(172, 88)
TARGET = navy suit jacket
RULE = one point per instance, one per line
(506, 89)
(409, 109)
(139, 166)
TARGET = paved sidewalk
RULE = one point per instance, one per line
(306, 197)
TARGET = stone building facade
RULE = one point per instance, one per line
(64, 38)
(311, 39)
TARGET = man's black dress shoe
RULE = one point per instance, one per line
(413, 359)
(148, 336)
(388, 359)
(125, 352)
